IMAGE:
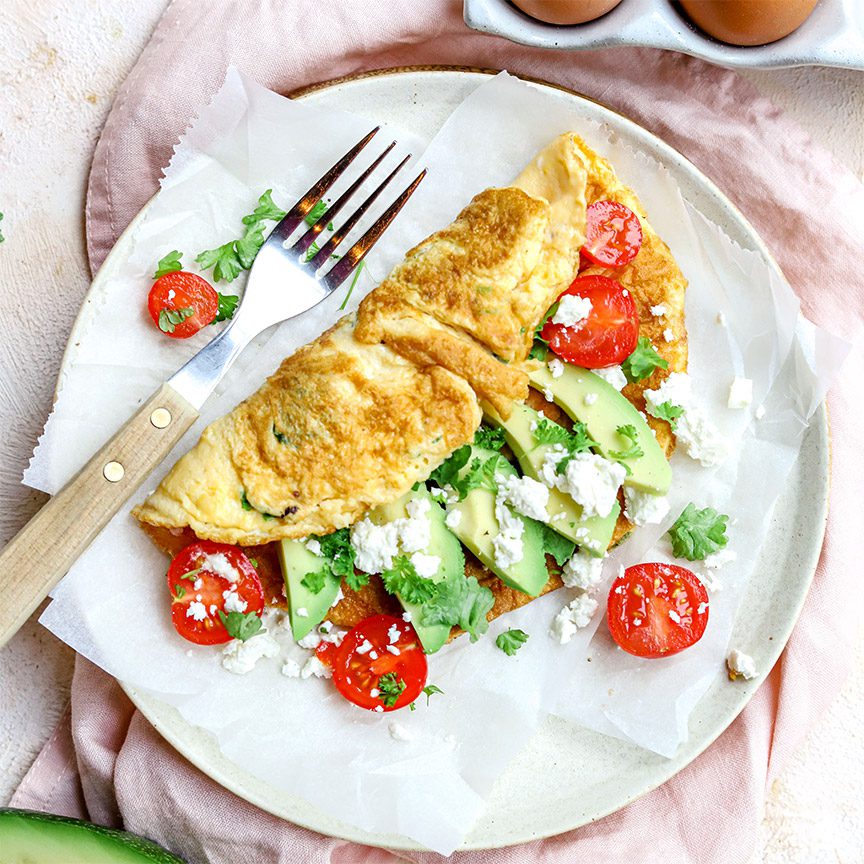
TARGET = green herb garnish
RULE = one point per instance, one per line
(430, 690)
(360, 266)
(244, 502)
(403, 579)
(668, 412)
(241, 625)
(489, 438)
(170, 318)
(390, 688)
(226, 308)
(643, 361)
(698, 533)
(316, 212)
(460, 603)
(510, 641)
(560, 548)
(179, 591)
(634, 451)
(314, 581)
(169, 264)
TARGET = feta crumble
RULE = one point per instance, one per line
(507, 544)
(364, 647)
(314, 546)
(740, 665)
(659, 310)
(313, 666)
(643, 508)
(589, 398)
(668, 335)
(452, 519)
(197, 610)
(310, 641)
(740, 393)
(220, 566)
(233, 603)
(572, 617)
(572, 311)
(593, 482)
(582, 571)
(556, 367)
(398, 732)
(240, 657)
(613, 375)
(548, 395)
(525, 495)
(291, 668)
(394, 650)
(720, 558)
(375, 546)
(302, 612)
(393, 634)
(425, 565)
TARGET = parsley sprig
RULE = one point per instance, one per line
(403, 579)
(489, 438)
(241, 625)
(480, 473)
(634, 451)
(314, 581)
(460, 603)
(336, 548)
(698, 533)
(559, 547)
(575, 440)
(170, 263)
(170, 318)
(390, 688)
(668, 412)
(430, 690)
(510, 641)
(643, 361)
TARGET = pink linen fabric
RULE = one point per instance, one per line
(105, 761)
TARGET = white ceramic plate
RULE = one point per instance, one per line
(833, 35)
(567, 776)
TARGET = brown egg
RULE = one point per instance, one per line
(748, 22)
(565, 11)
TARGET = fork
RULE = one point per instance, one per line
(288, 277)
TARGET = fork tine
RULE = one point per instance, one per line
(343, 268)
(301, 209)
(342, 232)
(307, 239)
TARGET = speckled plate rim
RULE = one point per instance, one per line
(201, 750)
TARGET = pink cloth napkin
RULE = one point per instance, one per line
(107, 763)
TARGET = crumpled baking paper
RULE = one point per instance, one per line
(432, 787)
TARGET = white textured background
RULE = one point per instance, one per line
(61, 62)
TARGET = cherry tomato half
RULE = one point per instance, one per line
(380, 664)
(613, 234)
(610, 332)
(655, 610)
(173, 295)
(204, 577)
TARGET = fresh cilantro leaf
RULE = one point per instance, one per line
(357, 272)
(412, 706)
(312, 251)
(241, 625)
(254, 562)
(403, 579)
(489, 438)
(244, 502)
(449, 469)
(549, 432)
(170, 318)
(248, 245)
(698, 533)
(480, 475)
(337, 548)
(643, 361)
(227, 307)
(356, 580)
(430, 690)
(390, 688)
(316, 212)
(169, 264)
(224, 261)
(266, 209)
(538, 351)
(510, 641)
(179, 591)
(314, 581)
(539, 328)
(280, 436)
(575, 440)
(668, 412)
(460, 603)
(634, 451)
(560, 548)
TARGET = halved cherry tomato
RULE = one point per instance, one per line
(177, 293)
(613, 234)
(380, 647)
(199, 592)
(610, 332)
(655, 610)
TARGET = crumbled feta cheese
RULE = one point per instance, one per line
(240, 657)
(556, 367)
(699, 437)
(335, 637)
(613, 375)
(507, 544)
(406, 617)
(213, 608)
(393, 634)
(291, 668)
(575, 615)
(718, 559)
(373, 655)
(548, 395)
(302, 612)
(643, 508)
(364, 647)
(659, 310)
(198, 584)
(701, 608)
(593, 482)
(338, 598)
(740, 665)
(219, 565)
(415, 532)
(740, 393)
(760, 412)
(398, 732)
(197, 610)
(721, 319)
(325, 626)
(313, 666)
(379, 709)
(374, 692)
(425, 565)
(525, 495)
(572, 311)
(314, 546)
(452, 519)
(710, 581)
(393, 650)
(310, 641)
(549, 470)
(668, 335)
(589, 398)
(375, 546)
(171, 294)
(233, 603)
(582, 571)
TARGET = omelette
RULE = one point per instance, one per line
(366, 411)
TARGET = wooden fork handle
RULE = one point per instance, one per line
(35, 560)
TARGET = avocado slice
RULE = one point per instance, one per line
(593, 534)
(477, 527)
(296, 562)
(26, 836)
(608, 410)
(443, 544)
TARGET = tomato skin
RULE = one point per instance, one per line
(610, 332)
(181, 290)
(613, 234)
(210, 630)
(356, 673)
(644, 603)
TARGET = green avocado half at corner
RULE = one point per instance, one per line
(27, 837)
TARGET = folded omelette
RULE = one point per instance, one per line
(357, 417)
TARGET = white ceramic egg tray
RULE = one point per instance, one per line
(833, 35)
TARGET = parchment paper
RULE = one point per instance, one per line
(249, 139)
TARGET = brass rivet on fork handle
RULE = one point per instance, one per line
(113, 472)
